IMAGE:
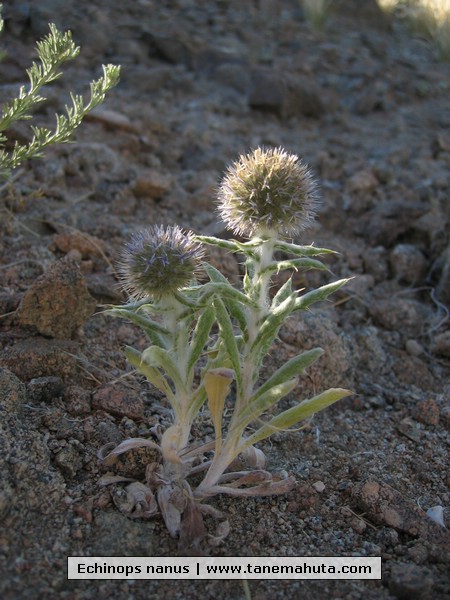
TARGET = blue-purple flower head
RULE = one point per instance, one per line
(268, 191)
(159, 261)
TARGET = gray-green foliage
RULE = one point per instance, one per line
(207, 337)
(53, 51)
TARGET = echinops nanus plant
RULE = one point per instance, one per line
(224, 333)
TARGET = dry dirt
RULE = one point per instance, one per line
(366, 105)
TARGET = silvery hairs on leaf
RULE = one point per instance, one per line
(268, 190)
(158, 261)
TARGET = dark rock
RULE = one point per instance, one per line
(284, 96)
(441, 344)
(69, 461)
(58, 302)
(410, 582)
(168, 49)
(45, 389)
(399, 313)
(376, 263)
(388, 221)
(443, 287)
(115, 535)
(77, 400)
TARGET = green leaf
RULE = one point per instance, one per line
(159, 357)
(294, 415)
(272, 324)
(200, 336)
(197, 401)
(294, 367)
(295, 263)
(228, 337)
(284, 292)
(302, 250)
(214, 274)
(135, 359)
(256, 407)
(320, 294)
(213, 241)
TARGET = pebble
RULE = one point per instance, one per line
(152, 185)
(87, 245)
(408, 263)
(413, 348)
(319, 486)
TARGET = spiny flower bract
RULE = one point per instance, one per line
(159, 261)
(267, 190)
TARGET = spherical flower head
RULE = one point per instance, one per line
(268, 191)
(158, 261)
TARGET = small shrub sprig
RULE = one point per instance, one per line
(53, 50)
(266, 196)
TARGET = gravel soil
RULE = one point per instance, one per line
(365, 104)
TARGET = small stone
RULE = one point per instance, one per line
(376, 263)
(58, 303)
(111, 119)
(69, 461)
(427, 412)
(87, 245)
(358, 525)
(441, 344)
(153, 185)
(396, 313)
(118, 401)
(45, 389)
(409, 429)
(408, 263)
(319, 486)
(362, 182)
(414, 348)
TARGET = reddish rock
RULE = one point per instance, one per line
(384, 505)
(40, 357)
(58, 302)
(88, 245)
(77, 400)
(152, 185)
(427, 412)
(118, 401)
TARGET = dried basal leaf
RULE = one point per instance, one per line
(254, 457)
(193, 529)
(108, 453)
(172, 503)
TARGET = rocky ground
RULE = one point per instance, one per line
(366, 105)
